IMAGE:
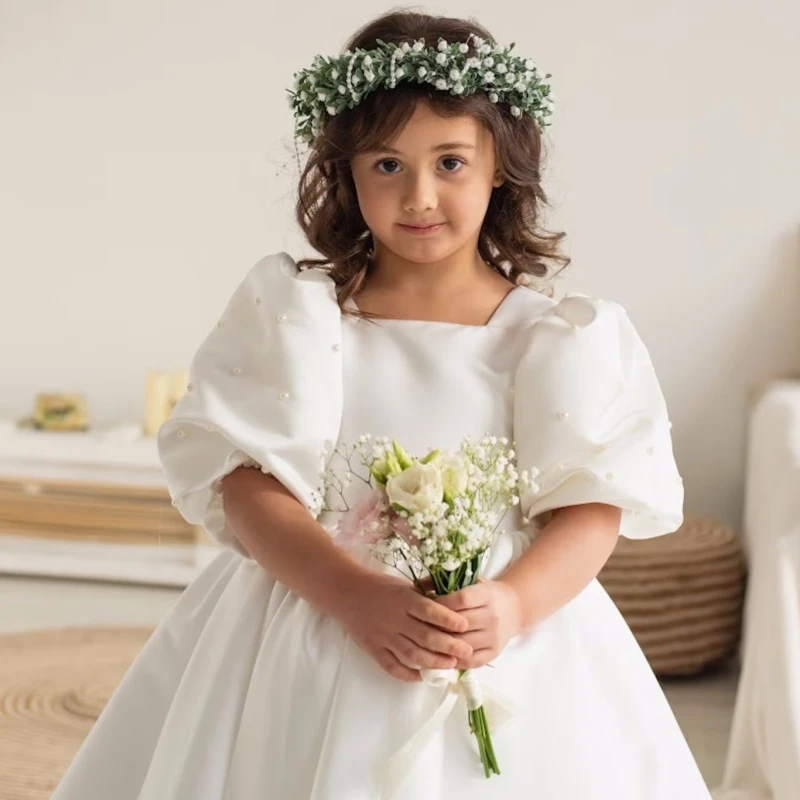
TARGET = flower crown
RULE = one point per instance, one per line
(336, 83)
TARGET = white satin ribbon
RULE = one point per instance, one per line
(499, 710)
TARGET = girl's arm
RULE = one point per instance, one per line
(299, 553)
(384, 614)
(566, 555)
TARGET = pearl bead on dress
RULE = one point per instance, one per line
(284, 395)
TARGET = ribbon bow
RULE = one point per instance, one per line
(499, 710)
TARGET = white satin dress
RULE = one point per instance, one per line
(247, 692)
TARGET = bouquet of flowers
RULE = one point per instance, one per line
(436, 516)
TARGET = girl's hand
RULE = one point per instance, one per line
(494, 614)
(402, 629)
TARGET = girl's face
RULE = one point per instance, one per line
(437, 172)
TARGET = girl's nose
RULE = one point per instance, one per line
(420, 194)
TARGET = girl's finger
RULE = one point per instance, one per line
(471, 597)
(414, 657)
(479, 658)
(437, 641)
(478, 619)
(394, 667)
(477, 640)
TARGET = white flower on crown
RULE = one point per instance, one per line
(488, 61)
(400, 72)
(527, 75)
(520, 86)
(485, 49)
(331, 110)
(493, 97)
(458, 88)
(304, 95)
(455, 74)
(422, 72)
(312, 79)
(316, 112)
(405, 47)
(342, 89)
(511, 78)
(498, 48)
(530, 64)
(369, 76)
(488, 77)
(367, 62)
(418, 46)
(322, 97)
(477, 41)
(334, 73)
(441, 84)
(442, 45)
(473, 63)
(441, 58)
(516, 111)
(501, 68)
(356, 79)
(463, 48)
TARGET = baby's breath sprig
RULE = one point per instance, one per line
(335, 83)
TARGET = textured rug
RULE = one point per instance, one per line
(53, 686)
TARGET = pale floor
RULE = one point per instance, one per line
(703, 706)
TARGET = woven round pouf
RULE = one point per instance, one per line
(681, 594)
(53, 686)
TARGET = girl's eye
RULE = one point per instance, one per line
(448, 159)
(386, 161)
(454, 160)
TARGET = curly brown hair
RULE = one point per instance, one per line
(511, 240)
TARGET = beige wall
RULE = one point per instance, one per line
(146, 162)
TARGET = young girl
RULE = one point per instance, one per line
(291, 667)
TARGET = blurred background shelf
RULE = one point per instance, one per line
(92, 505)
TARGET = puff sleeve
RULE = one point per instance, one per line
(264, 390)
(591, 421)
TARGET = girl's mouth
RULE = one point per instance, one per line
(426, 231)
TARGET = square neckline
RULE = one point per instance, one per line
(489, 323)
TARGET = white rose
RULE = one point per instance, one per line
(417, 488)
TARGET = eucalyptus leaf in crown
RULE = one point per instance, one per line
(335, 83)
